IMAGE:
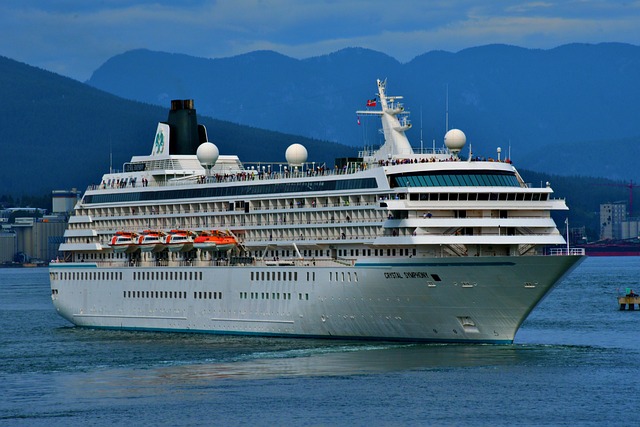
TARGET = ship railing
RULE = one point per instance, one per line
(424, 151)
(233, 261)
(258, 172)
(274, 171)
(566, 251)
(304, 262)
(102, 264)
(281, 224)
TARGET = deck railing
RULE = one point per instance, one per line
(566, 251)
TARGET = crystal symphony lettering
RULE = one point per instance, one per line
(407, 275)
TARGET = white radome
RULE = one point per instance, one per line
(207, 154)
(455, 139)
(296, 154)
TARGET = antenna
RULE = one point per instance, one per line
(566, 221)
(110, 156)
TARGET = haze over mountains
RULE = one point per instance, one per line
(569, 110)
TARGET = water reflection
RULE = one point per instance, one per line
(322, 361)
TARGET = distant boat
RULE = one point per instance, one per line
(629, 299)
(613, 248)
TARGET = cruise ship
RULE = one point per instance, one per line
(396, 244)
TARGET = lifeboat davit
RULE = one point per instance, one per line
(215, 240)
(151, 241)
(179, 240)
(124, 241)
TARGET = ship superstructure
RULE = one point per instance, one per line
(395, 244)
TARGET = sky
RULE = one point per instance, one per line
(75, 37)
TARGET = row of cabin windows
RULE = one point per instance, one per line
(277, 275)
(156, 294)
(162, 275)
(233, 191)
(434, 197)
(341, 253)
(376, 252)
(315, 253)
(167, 275)
(207, 295)
(171, 294)
(88, 275)
(393, 252)
(288, 253)
(272, 295)
(343, 276)
(111, 255)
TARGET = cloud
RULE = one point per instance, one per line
(74, 37)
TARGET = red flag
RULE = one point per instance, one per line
(358, 120)
(371, 102)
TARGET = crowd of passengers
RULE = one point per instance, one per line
(394, 162)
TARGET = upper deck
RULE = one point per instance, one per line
(173, 164)
(273, 171)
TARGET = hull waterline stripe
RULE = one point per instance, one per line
(303, 336)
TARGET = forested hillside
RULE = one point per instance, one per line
(58, 133)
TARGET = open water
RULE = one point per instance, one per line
(576, 361)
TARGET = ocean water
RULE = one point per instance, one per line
(575, 361)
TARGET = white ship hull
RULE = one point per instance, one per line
(476, 299)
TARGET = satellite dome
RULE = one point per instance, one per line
(455, 140)
(296, 154)
(207, 154)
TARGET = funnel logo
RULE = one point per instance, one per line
(158, 145)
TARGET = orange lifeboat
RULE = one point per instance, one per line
(151, 241)
(215, 240)
(124, 241)
(179, 240)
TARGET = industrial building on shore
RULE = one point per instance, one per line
(31, 236)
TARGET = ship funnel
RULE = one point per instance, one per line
(186, 135)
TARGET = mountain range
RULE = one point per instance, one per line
(568, 110)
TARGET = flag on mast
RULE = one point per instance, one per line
(371, 102)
